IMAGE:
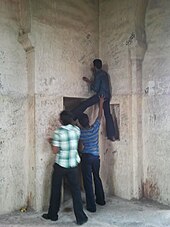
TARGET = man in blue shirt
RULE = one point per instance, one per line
(90, 164)
(101, 86)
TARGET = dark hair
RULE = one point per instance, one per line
(84, 120)
(97, 63)
(66, 117)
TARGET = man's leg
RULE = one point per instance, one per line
(110, 128)
(55, 198)
(73, 180)
(84, 105)
(99, 192)
(86, 166)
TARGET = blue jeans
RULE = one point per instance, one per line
(90, 165)
(110, 128)
(72, 176)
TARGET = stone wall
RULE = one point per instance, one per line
(13, 112)
(66, 41)
(57, 42)
(45, 49)
(156, 105)
(116, 27)
(134, 42)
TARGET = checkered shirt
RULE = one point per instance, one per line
(66, 138)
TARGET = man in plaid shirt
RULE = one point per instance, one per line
(64, 145)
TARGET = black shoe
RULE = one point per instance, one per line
(91, 210)
(112, 139)
(46, 216)
(83, 221)
(101, 203)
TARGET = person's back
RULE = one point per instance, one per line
(64, 144)
(90, 139)
(101, 83)
(66, 137)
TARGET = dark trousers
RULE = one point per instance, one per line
(110, 129)
(72, 176)
(90, 165)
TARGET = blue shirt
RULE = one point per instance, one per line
(90, 139)
(101, 84)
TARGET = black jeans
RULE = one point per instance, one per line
(110, 128)
(90, 164)
(72, 176)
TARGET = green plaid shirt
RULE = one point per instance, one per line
(66, 138)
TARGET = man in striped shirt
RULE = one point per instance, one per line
(90, 160)
(64, 145)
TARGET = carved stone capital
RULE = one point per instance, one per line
(137, 50)
(26, 40)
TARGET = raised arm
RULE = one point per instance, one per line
(100, 107)
(87, 80)
(80, 146)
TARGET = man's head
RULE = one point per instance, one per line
(66, 117)
(84, 120)
(97, 63)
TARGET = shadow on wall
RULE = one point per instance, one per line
(151, 190)
(115, 111)
(106, 68)
(107, 152)
(69, 104)
(53, 123)
(115, 108)
(47, 182)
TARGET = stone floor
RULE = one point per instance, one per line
(116, 213)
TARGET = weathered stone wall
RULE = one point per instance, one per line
(116, 26)
(57, 42)
(13, 111)
(66, 42)
(45, 49)
(156, 105)
(126, 29)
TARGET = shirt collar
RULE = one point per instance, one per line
(67, 126)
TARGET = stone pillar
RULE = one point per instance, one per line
(136, 53)
(26, 41)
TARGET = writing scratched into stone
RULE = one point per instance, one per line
(49, 102)
(2, 56)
